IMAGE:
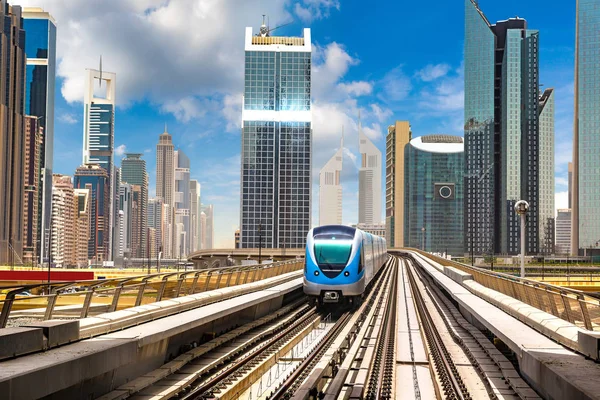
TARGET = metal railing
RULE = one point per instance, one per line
(567, 304)
(107, 295)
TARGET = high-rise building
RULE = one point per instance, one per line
(563, 232)
(586, 133)
(182, 202)
(115, 217)
(99, 135)
(399, 135)
(152, 243)
(208, 230)
(165, 187)
(156, 220)
(504, 144)
(330, 189)
(369, 180)
(433, 208)
(12, 102)
(570, 183)
(203, 230)
(276, 141)
(63, 246)
(124, 222)
(95, 178)
(133, 171)
(40, 48)
(83, 200)
(194, 214)
(545, 193)
(236, 239)
(138, 236)
(33, 148)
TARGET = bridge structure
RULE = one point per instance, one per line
(211, 258)
(428, 328)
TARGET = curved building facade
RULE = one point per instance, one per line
(433, 194)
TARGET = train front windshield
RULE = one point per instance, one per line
(332, 253)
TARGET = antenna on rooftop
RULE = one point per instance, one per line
(265, 30)
(100, 77)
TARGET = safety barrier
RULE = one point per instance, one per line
(120, 293)
(570, 305)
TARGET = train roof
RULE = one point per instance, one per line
(334, 229)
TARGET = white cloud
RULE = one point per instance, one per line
(184, 109)
(432, 72)
(561, 200)
(148, 151)
(396, 85)
(373, 132)
(355, 88)
(232, 111)
(309, 10)
(67, 118)
(120, 150)
(382, 114)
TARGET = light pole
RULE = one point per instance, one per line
(521, 208)
(423, 238)
(260, 243)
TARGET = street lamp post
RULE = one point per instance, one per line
(423, 238)
(260, 243)
(521, 208)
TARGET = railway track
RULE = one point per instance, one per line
(355, 356)
(497, 374)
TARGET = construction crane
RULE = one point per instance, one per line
(265, 31)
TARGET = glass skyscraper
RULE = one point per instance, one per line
(505, 148)
(433, 194)
(99, 134)
(276, 141)
(40, 48)
(133, 171)
(586, 147)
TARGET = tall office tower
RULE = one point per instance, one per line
(369, 180)
(124, 222)
(236, 239)
(64, 222)
(116, 176)
(156, 220)
(165, 185)
(83, 199)
(586, 133)
(152, 252)
(182, 202)
(208, 229)
(203, 229)
(99, 134)
(433, 210)
(330, 189)
(570, 183)
(168, 229)
(95, 178)
(40, 48)
(546, 172)
(563, 232)
(194, 217)
(12, 176)
(138, 241)
(33, 148)
(502, 132)
(399, 135)
(276, 151)
(133, 171)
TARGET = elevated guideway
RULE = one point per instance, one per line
(552, 352)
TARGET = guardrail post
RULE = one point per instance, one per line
(8, 301)
(247, 274)
(179, 283)
(220, 272)
(140, 295)
(86, 303)
(237, 278)
(584, 311)
(208, 276)
(194, 282)
(50, 306)
(161, 291)
(115, 300)
(254, 274)
(229, 278)
(550, 296)
(567, 306)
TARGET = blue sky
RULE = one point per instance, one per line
(181, 62)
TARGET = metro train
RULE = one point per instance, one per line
(341, 261)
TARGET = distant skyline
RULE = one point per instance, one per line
(412, 72)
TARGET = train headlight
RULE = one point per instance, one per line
(316, 273)
(346, 273)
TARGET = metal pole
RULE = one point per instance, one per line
(522, 245)
(260, 243)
